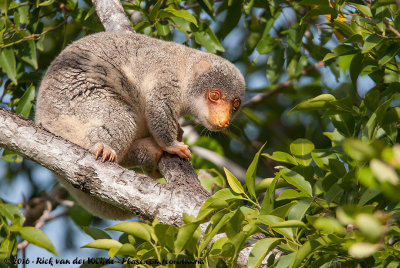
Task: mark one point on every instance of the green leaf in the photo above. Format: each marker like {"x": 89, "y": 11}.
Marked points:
{"x": 362, "y": 249}
{"x": 95, "y": 233}
{"x": 125, "y": 249}
{"x": 285, "y": 260}
{"x": 274, "y": 220}
{"x": 368, "y": 195}
{"x": 266, "y": 44}
{"x": 180, "y": 13}
{"x": 233, "y": 16}
{"x": 337, "y": 168}
{"x": 321, "y": 158}
{"x": 383, "y": 172}
{"x": 371, "y": 42}
{"x": 163, "y": 28}
{"x": 260, "y": 250}
{"x": 370, "y": 225}
{"x": 390, "y": 53}
{"x": 316, "y": 11}
{"x": 91, "y": 11}
{"x": 251, "y": 173}
{"x": 381, "y": 3}
{"x": 46, "y": 3}
{"x": 344, "y": 123}
{"x": 214, "y": 228}
{"x": 355, "y": 68}
{"x": 316, "y": 103}
{"x": 207, "y": 39}
{"x": 296, "y": 35}
{"x": 227, "y": 195}
{"x": 329, "y": 225}
{"x": 289, "y": 224}
{"x": 269, "y": 198}
{"x": 154, "y": 11}
{"x": 7, "y": 63}
{"x": 137, "y": 229}
{"x": 301, "y": 149}
{"x": 298, "y": 211}
{"x": 296, "y": 180}
{"x": 341, "y": 50}
{"x": 207, "y": 6}
{"x": 80, "y": 216}
{"x": 26, "y": 102}
{"x": 166, "y": 235}
{"x": 364, "y": 9}
{"x": 275, "y": 65}
{"x": 103, "y": 244}
{"x": 4, "y": 5}
{"x": 23, "y": 14}
{"x": 334, "y": 191}
{"x": 376, "y": 118}
{"x": 358, "y": 150}
{"x": 28, "y": 53}
{"x": 35, "y": 236}
{"x": 344, "y": 28}
{"x": 210, "y": 206}
{"x": 238, "y": 241}
{"x": 11, "y": 157}
{"x": 304, "y": 252}
{"x": 282, "y": 157}
{"x": 291, "y": 194}
{"x": 185, "y": 234}
{"x": 234, "y": 182}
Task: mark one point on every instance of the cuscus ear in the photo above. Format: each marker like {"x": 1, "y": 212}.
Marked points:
{"x": 201, "y": 67}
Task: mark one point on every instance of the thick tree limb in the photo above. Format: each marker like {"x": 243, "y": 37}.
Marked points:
{"x": 112, "y": 15}
{"x": 107, "y": 181}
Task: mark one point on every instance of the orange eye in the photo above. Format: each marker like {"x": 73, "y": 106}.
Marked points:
{"x": 214, "y": 95}
{"x": 236, "y": 104}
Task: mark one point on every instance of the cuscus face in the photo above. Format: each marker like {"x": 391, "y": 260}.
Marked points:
{"x": 221, "y": 108}
{"x": 218, "y": 93}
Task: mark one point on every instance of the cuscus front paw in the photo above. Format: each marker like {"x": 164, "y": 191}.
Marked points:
{"x": 181, "y": 149}
{"x": 105, "y": 152}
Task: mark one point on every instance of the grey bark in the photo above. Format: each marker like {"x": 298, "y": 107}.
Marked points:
{"x": 112, "y": 15}
{"x": 108, "y": 181}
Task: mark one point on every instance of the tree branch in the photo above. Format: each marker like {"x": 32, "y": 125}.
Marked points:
{"x": 112, "y": 16}
{"x": 260, "y": 97}
{"x": 107, "y": 181}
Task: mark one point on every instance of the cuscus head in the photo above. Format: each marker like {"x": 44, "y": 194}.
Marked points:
{"x": 217, "y": 92}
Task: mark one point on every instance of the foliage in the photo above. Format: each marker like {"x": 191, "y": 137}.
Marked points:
{"x": 11, "y": 226}
{"x": 328, "y": 109}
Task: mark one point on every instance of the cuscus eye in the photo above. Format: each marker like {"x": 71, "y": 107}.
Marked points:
{"x": 214, "y": 95}
{"x": 236, "y": 104}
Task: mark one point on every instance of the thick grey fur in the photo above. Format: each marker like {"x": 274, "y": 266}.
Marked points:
{"x": 126, "y": 91}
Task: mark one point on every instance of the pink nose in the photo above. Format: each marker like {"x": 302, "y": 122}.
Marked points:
{"x": 223, "y": 124}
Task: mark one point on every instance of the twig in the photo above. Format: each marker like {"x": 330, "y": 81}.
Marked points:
{"x": 34, "y": 36}
{"x": 62, "y": 214}
{"x": 366, "y": 3}
{"x": 39, "y": 223}
{"x": 393, "y": 30}
{"x": 280, "y": 87}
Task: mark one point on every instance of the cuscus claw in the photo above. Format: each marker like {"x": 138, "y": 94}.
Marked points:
{"x": 105, "y": 152}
